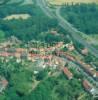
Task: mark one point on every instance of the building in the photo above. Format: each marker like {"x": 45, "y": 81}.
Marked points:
{"x": 67, "y": 73}
{"x": 70, "y": 47}
{"x": 3, "y": 84}
{"x": 89, "y": 69}
{"x": 21, "y": 50}
{"x": 54, "y": 32}
{"x": 17, "y": 55}
{"x": 96, "y": 76}
{"x": 4, "y": 54}
{"x": 84, "y": 51}
{"x": 88, "y": 87}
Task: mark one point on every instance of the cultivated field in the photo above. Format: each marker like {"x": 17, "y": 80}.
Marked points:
{"x": 59, "y": 2}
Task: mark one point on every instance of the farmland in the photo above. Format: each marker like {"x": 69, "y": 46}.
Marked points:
{"x": 59, "y": 2}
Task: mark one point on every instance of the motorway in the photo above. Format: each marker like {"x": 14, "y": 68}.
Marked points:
{"x": 43, "y": 5}
{"x": 73, "y": 32}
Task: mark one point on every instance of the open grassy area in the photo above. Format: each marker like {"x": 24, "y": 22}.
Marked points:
{"x": 91, "y": 39}
{"x": 94, "y": 38}
{"x": 59, "y": 2}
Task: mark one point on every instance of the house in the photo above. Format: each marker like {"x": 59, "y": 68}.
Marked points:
{"x": 4, "y": 54}
{"x": 21, "y": 50}
{"x": 59, "y": 45}
{"x": 84, "y": 51}
{"x": 88, "y": 69}
{"x": 70, "y": 47}
{"x": 3, "y": 84}
{"x": 17, "y": 55}
{"x": 69, "y": 57}
{"x": 96, "y": 76}
{"x": 67, "y": 73}
{"x": 53, "y": 32}
{"x": 88, "y": 87}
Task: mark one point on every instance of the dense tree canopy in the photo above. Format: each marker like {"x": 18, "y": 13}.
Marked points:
{"x": 82, "y": 16}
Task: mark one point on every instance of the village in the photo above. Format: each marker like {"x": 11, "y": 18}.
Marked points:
{"x": 48, "y": 50}
{"x": 54, "y": 58}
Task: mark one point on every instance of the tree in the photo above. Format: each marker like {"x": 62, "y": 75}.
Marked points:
{"x": 88, "y": 58}
{"x": 41, "y": 75}
{"x": 2, "y": 36}
{"x": 21, "y": 82}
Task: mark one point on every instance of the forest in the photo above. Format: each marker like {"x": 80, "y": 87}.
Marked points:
{"x": 83, "y": 16}
{"x": 28, "y": 29}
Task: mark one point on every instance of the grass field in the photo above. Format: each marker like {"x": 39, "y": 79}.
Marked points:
{"x": 92, "y": 39}
{"x": 59, "y": 2}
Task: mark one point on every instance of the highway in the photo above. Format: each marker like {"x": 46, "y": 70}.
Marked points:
{"x": 43, "y": 5}
{"x": 73, "y": 32}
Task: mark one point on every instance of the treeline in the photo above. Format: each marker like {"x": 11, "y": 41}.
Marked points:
{"x": 82, "y": 16}
{"x": 17, "y": 9}
{"x": 28, "y": 29}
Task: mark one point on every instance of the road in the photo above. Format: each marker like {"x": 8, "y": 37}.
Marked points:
{"x": 43, "y": 5}
{"x": 73, "y": 32}
{"x": 76, "y": 65}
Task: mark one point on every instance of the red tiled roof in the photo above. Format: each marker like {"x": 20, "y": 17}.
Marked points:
{"x": 67, "y": 73}
{"x": 87, "y": 85}
{"x": 5, "y": 82}
{"x": 20, "y": 50}
{"x": 4, "y": 54}
{"x": 96, "y": 73}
